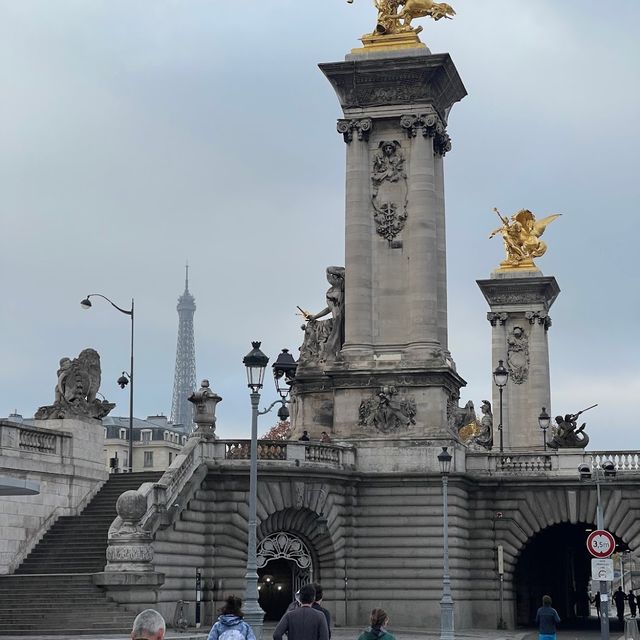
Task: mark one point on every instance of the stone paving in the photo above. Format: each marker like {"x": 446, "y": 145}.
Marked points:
{"x": 352, "y": 633}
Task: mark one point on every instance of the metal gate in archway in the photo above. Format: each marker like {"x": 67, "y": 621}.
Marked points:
{"x": 284, "y": 565}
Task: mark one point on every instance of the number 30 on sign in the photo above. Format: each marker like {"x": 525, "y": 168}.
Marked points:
{"x": 601, "y": 543}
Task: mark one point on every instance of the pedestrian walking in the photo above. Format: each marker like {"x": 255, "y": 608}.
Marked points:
{"x": 596, "y": 602}
{"x": 230, "y": 624}
{"x": 317, "y": 605}
{"x": 303, "y": 623}
{"x": 148, "y": 625}
{"x": 377, "y": 629}
{"x": 547, "y": 618}
{"x": 633, "y": 603}
{"x": 619, "y": 597}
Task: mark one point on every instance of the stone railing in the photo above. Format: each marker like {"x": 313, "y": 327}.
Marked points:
{"x": 516, "y": 463}
{"x": 35, "y": 440}
{"x": 338, "y": 456}
{"x": 622, "y": 460}
{"x": 564, "y": 462}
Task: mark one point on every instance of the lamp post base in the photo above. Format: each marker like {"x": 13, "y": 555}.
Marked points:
{"x": 254, "y": 616}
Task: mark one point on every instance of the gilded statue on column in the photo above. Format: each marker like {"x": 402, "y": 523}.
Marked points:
{"x": 395, "y": 18}
{"x": 521, "y": 237}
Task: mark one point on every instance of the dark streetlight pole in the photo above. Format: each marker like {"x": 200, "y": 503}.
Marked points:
{"x": 446, "y": 603}
{"x": 500, "y": 377}
{"x": 256, "y": 363}
{"x": 544, "y": 420}
{"x": 122, "y": 381}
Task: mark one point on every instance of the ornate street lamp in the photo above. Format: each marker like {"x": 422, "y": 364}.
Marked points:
{"x": 284, "y": 372}
{"x": 446, "y": 603}
{"x": 125, "y": 378}
{"x": 500, "y": 377}
{"x": 544, "y": 420}
{"x": 256, "y": 363}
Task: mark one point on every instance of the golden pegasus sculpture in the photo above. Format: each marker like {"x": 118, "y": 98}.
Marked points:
{"x": 521, "y": 236}
{"x": 395, "y": 16}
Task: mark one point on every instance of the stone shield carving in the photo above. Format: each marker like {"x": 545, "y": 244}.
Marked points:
{"x": 389, "y": 189}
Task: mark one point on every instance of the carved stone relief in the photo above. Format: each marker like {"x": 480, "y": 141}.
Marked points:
{"x": 518, "y": 355}
{"x": 389, "y": 189}
{"x": 361, "y": 128}
{"x": 497, "y": 318}
{"x": 541, "y": 317}
{"x": 386, "y": 414}
{"x": 431, "y": 126}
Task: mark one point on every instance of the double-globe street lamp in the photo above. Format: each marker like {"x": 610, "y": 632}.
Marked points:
{"x": 284, "y": 370}
{"x": 544, "y": 420}
{"x": 125, "y": 378}
{"x": 596, "y": 475}
{"x": 500, "y": 378}
{"x": 446, "y": 603}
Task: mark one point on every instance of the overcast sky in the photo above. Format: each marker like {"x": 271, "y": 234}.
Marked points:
{"x": 137, "y": 134}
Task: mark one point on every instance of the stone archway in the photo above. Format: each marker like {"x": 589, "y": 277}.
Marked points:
{"x": 556, "y": 562}
{"x": 284, "y": 565}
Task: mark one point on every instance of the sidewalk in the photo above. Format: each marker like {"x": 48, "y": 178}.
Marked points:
{"x": 341, "y": 633}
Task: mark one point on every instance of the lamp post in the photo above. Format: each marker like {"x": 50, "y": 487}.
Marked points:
{"x": 256, "y": 363}
{"x": 446, "y": 603}
{"x": 544, "y": 420}
{"x": 596, "y": 474}
{"x": 123, "y": 380}
{"x": 500, "y": 377}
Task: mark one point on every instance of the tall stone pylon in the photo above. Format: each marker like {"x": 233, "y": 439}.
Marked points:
{"x": 184, "y": 382}
{"x": 519, "y": 303}
{"x": 385, "y": 368}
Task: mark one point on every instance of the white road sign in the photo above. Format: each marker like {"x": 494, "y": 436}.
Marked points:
{"x": 602, "y": 569}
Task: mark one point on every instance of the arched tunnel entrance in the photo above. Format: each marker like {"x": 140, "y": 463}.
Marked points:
{"x": 556, "y": 562}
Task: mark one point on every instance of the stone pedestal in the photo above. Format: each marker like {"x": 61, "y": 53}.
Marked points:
{"x": 394, "y": 374}
{"x": 519, "y": 316}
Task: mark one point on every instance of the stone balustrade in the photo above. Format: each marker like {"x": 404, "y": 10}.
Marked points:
{"x": 622, "y": 460}
{"x": 337, "y": 456}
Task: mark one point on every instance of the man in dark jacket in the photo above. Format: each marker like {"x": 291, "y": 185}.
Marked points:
{"x": 303, "y": 623}
{"x": 547, "y": 618}
{"x": 317, "y": 605}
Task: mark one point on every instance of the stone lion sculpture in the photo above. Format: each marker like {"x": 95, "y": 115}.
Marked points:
{"x": 76, "y": 389}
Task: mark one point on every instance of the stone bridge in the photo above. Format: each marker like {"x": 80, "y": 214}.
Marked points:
{"x": 366, "y": 521}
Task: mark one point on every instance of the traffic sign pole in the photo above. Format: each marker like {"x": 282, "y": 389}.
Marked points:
{"x": 604, "y": 587}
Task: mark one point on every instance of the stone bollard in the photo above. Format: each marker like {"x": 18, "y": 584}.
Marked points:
{"x": 631, "y": 629}
{"x": 205, "y": 401}
{"x": 130, "y": 546}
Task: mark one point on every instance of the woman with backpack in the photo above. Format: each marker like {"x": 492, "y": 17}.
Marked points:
{"x": 230, "y": 625}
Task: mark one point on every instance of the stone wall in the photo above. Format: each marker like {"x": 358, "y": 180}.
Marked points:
{"x": 65, "y": 458}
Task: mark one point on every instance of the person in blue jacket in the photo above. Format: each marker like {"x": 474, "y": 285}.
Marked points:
{"x": 230, "y": 625}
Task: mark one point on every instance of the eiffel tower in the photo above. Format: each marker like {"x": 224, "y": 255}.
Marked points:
{"x": 184, "y": 382}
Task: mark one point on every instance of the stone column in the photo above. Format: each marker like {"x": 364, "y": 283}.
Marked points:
{"x": 358, "y": 233}
{"x": 421, "y": 236}
{"x": 442, "y": 144}
{"x": 519, "y": 316}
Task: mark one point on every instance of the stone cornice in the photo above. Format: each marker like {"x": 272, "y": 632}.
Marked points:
{"x": 428, "y": 79}
{"x": 518, "y": 292}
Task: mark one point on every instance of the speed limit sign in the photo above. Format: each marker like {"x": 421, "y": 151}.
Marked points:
{"x": 601, "y": 543}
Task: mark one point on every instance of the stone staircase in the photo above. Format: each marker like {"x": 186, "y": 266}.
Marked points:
{"x": 52, "y": 591}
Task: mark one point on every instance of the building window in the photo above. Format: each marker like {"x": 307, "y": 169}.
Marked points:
{"x": 148, "y": 458}
{"x": 146, "y": 436}
{"x": 170, "y": 457}
{"x": 167, "y": 435}
{"x": 184, "y": 439}
{"x": 123, "y": 434}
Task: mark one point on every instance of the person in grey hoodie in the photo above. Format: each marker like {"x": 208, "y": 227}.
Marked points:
{"x": 230, "y": 625}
